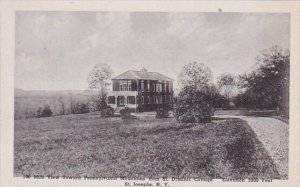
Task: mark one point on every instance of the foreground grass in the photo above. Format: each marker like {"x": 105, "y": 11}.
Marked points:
{"x": 86, "y": 145}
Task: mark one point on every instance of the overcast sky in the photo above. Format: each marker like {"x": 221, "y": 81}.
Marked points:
{"x": 57, "y": 50}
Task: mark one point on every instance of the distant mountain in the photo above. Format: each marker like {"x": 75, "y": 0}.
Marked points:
{"x": 50, "y": 93}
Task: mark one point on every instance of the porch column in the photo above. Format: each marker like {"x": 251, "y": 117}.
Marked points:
{"x": 116, "y": 100}
{"x": 136, "y": 103}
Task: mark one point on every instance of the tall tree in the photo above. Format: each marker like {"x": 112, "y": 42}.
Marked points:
{"x": 99, "y": 77}
{"x": 195, "y": 99}
{"x": 62, "y": 105}
{"x": 268, "y": 83}
{"x": 196, "y": 76}
{"x": 227, "y": 82}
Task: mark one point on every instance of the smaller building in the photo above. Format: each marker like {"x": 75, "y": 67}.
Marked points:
{"x": 140, "y": 90}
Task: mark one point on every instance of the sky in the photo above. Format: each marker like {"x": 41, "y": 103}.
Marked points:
{"x": 57, "y": 50}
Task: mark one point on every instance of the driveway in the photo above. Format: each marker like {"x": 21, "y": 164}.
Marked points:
{"x": 274, "y": 135}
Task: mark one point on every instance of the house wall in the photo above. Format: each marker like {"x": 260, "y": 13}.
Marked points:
{"x": 166, "y": 95}
{"x": 116, "y": 85}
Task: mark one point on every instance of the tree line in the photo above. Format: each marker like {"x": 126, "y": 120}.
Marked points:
{"x": 266, "y": 86}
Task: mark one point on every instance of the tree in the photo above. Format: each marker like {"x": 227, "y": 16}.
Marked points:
{"x": 268, "y": 84}
{"x": 72, "y": 104}
{"x": 62, "y": 105}
{"x": 193, "y": 106}
{"x": 226, "y": 83}
{"x": 196, "y": 76}
{"x": 98, "y": 78}
{"x": 47, "y": 111}
{"x": 44, "y": 112}
{"x": 196, "y": 96}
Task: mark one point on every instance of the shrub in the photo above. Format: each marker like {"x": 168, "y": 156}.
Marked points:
{"x": 162, "y": 111}
{"x": 45, "y": 112}
{"x": 110, "y": 111}
{"x": 80, "y": 108}
{"x": 193, "y": 106}
{"x": 125, "y": 112}
{"x": 39, "y": 112}
{"x": 84, "y": 108}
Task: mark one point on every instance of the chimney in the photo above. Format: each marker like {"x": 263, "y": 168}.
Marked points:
{"x": 144, "y": 70}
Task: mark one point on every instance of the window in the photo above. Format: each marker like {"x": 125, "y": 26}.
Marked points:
{"x": 164, "y": 99}
{"x": 129, "y": 85}
{"x": 149, "y": 102}
{"x": 142, "y": 99}
{"x": 148, "y": 86}
{"x": 121, "y": 86}
{"x": 166, "y": 83}
{"x": 121, "y": 100}
{"x": 170, "y": 87}
{"x": 153, "y": 87}
{"x": 154, "y": 100}
{"x": 125, "y": 85}
{"x": 111, "y": 100}
{"x": 131, "y": 100}
{"x": 165, "y": 86}
{"x": 158, "y": 87}
{"x": 142, "y": 86}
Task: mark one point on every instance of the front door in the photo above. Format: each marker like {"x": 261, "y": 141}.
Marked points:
{"x": 120, "y": 101}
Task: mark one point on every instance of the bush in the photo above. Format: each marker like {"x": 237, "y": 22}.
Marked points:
{"x": 110, "y": 111}
{"x": 193, "y": 106}
{"x": 162, "y": 111}
{"x": 84, "y": 108}
{"x": 125, "y": 112}
{"x": 80, "y": 108}
{"x": 45, "y": 112}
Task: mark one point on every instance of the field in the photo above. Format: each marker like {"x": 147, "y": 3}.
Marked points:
{"x": 28, "y": 102}
{"x": 88, "y": 145}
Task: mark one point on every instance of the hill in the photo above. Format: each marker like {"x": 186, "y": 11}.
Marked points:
{"x": 27, "y": 102}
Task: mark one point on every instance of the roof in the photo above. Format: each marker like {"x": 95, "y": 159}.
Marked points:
{"x": 142, "y": 75}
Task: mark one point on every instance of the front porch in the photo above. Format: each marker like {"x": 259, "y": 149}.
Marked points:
{"x": 121, "y": 99}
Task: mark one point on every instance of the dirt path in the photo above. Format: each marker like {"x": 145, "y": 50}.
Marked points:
{"x": 274, "y": 135}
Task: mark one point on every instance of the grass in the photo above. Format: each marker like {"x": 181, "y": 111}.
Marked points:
{"x": 87, "y": 145}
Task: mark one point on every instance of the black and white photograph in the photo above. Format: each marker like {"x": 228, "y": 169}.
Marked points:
{"x": 135, "y": 95}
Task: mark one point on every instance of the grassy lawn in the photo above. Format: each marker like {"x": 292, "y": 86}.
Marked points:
{"x": 87, "y": 145}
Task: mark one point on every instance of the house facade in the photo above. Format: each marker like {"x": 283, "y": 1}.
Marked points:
{"x": 140, "y": 90}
